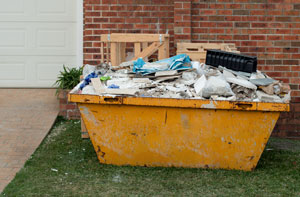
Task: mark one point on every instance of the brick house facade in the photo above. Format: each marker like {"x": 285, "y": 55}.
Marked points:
{"x": 268, "y": 29}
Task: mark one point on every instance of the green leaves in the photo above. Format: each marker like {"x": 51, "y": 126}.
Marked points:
{"x": 68, "y": 78}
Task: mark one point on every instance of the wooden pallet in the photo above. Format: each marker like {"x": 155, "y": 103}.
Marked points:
{"x": 197, "y": 51}
{"x": 144, "y": 46}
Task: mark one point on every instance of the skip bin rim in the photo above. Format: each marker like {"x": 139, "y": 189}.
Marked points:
{"x": 179, "y": 103}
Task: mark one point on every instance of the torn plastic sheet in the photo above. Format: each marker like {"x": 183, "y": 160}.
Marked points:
{"x": 178, "y": 62}
{"x": 87, "y": 80}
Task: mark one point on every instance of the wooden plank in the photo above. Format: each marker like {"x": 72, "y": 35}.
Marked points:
{"x": 119, "y": 37}
{"x": 197, "y": 51}
{"x": 137, "y": 48}
{"x": 197, "y": 57}
{"x": 192, "y": 52}
{"x": 83, "y": 128}
{"x": 123, "y": 52}
{"x": 167, "y": 45}
{"x": 144, "y": 45}
{"x": 204, "y": 46}
{"x": 164, "y": 50}
{"x": 119, "y": 53}
{"x": 84, "y": 132}
{"x": 102, "y": 52}
{"x": 148, "y": 51}
{"x": 114, "y": 53}
{"x": 107, "y": 53}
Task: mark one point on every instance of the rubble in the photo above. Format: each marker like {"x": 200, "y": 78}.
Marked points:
{"x": 268, "y": 98}
{"x": 242, "y": 82}
{"x": 200, "y": 84}
{"x": 88, "y": 90}
{"x": 243, "y": 93}
{"x": 262, "y": 81}
{"x": 178, "y": 77}
{"x": 216, "y": 86}
{"x": 166, "y": 73}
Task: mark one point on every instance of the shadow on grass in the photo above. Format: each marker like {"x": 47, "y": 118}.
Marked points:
{"x": 66, "y": 165}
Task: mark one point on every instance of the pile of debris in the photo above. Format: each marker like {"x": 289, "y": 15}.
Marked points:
{"x": 178, "y": 77}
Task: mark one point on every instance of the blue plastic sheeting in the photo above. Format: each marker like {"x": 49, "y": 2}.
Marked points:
{"x": 87, "y": 79}
{"x": 178, "y": 62}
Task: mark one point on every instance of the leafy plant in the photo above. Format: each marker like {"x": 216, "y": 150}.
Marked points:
{"x": 68, "y": 78}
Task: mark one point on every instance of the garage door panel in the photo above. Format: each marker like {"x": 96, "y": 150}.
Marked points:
{"x": 36, "y": 52}
{"x": 12, "y": 71}
{"x": 48, "y": 71}
{"x": 15, "y": 71}
{"x": 12, "y": 38}
{"x": 40, "y": 10}
{"x": 24, "y": 71}
{"x": 56, "y": 37}
{"x": 51, "y": 38}
{"x": 37, "y": 37}
{"x": 12, "y": 7}
{"x": 48, "y": 68}
{"x": 52, "y": 7}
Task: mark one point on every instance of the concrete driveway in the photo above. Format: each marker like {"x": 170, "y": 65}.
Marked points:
{"x": 26, "y": 116}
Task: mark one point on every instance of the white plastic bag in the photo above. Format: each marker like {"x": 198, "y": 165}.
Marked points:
{"x": 217, "y": 85}
{"x": 189, "y": 76}
{"x": 199, "y": 67}
{"x": 88, "y": 90}
{"x": 87, "y": 69}
{"x": 200, "y": 84}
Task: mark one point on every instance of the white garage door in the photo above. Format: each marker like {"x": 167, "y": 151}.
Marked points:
{"x": 37, "y": 37}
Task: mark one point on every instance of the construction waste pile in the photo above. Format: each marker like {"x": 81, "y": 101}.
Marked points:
{"x": 178, "y": 77}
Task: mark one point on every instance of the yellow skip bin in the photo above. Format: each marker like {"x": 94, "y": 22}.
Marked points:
{"x": 178, "y": 132}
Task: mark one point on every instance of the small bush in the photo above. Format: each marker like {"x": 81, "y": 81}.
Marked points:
{"x": 68, "y": 78}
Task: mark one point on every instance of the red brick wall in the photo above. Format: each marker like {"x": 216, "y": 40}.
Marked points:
{"x": 124, "y": 16}
{"x": 68, "y": 109}
{"x": 268, "y": 29}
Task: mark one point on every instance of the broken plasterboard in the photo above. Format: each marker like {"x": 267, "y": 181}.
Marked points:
{"x": 100, "y": 89}
{"x": 161, "y": 79}
{"x": 166, "y": 73}
{"x": 98, "y": 86}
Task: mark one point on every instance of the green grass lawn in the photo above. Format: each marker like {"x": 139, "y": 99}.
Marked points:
{"x": 66, "y": 165}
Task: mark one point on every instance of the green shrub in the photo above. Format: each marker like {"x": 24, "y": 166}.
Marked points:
{"x": 68, "y": 78}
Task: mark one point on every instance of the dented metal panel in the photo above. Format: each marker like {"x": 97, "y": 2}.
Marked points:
{"x": 177, "y": 132}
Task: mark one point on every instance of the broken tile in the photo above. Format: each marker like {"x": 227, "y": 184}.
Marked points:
{"x": 189, "y": 75}
{"x": 262, "y": 82}
{"x": 242, "y": 82}
{"x": 227, "y": 74}
{"x": 201, "y": 80}
{"x": 161, "y": 79}
{"x": 141, "y": 80}
{"x": 263, "y": 97}
{"x": 166, "y": 73}
{"x": 200, "y": 84}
